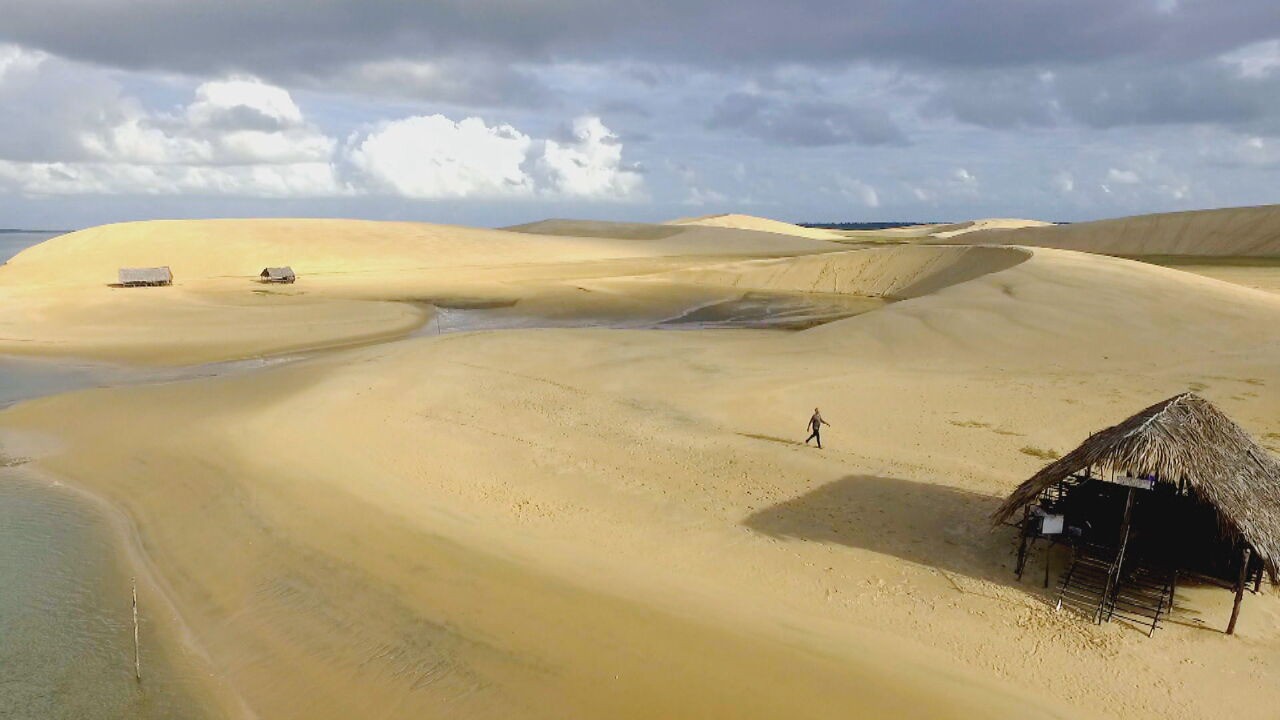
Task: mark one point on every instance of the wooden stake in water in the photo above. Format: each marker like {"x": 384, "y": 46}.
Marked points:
{"x": 137, "y": 659}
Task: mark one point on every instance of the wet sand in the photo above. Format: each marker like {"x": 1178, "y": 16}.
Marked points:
{"x": 66, "y": 617}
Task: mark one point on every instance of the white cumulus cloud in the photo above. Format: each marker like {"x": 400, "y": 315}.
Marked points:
{"x": 240, "y": 137}
{"x": 431, "y": 156}
{"x": 72, "y": 130}
{"x": 590, "y": 165}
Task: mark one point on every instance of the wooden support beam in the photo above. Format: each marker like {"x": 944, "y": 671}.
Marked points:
{"x": 1235, "y": 609}
{"x": 1022, "y": 545}
{"x": 1048, "y": 562}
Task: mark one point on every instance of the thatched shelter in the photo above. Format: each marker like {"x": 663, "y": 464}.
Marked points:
{"x": 145, "y": 276}
{"x": 1178, "y": 487}
{"x": 277, "y": 275}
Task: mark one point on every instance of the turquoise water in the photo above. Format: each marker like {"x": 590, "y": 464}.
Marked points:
{"x": 66, "y": 642}
{"x": 66, "y": 619}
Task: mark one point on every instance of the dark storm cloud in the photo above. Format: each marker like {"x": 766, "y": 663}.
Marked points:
{"x": 284, "y": 37}
{"x": 1115, "y": 95}
{"x": 1206, "y": 93}
{"x": 804, "y": 123}
{"x": 996, "y": 99}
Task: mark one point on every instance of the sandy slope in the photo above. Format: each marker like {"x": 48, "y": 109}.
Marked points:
{"x": 55, "y": 298}
{"x": 895, "y": 272}
{"x": 622, "y": 523}
{"x": 1245, "y": 231}
{"x": 759, "y": 224}
{"x": 598, "y": 228}
{"x": 954, "y": 230}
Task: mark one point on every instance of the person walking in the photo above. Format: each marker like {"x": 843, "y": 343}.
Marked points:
{"x": 815, "y": 423}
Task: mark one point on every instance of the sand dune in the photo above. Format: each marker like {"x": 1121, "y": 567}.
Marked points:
{"x": 750, "y": 222}
{"x": 598, "y": 228}
{"x": 953, "y": 230}
{"x": 1245, "y": 231}
{"x": 204, "y": 249}
{"x": 665, "y": 468}
{"x": 624, "y": 523}
{"x": 897, "y": 272}
{"x": 57, "y": 298}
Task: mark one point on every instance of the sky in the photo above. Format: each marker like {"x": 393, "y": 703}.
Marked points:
{"x": 495, "y": 112}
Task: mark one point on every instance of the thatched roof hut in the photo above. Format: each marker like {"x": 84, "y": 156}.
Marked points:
{"x": 145, "y": 276}
{"x": 1187, "y": 442}
{"x": 278, "y": 275}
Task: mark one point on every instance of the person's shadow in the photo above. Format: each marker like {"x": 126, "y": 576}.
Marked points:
{"x": 934, "y": 525}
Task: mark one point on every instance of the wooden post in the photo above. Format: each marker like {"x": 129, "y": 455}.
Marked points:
{"x": 1235, "y": 609}
{"x": 1257, "y": 579}
{"x": 137, "y": 658}
{"x": 1022, "y": 544}
{"x": 1048, "y": 561}
{"x": 1113, "y": 575}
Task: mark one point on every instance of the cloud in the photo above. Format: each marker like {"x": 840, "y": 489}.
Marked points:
{"x": 590, "y": 164}
{"x": 288, "y": 38}
{"x": 49, "y": 104}
{"x": 237, "y": 136}
{"x": 462, "y": 81}
{"x": 858, "y": 190}
{"x": 805, "y": 123}
{"x": 1123, "y": 177}
{"x": 1064, "y": 182}
{"x": 1240, "y": 91}
{"x": 434, "y": 157}
{"x": 72, "y": 130}
{"x": 57, "y": 178}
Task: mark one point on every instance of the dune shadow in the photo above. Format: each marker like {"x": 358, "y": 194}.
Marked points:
{"x": 933, "y": 525}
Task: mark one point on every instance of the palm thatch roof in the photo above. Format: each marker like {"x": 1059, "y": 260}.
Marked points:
{"x": 145, "y": 276}
{"x": 278, "y": 274}
{"x": 1183, "y": 439}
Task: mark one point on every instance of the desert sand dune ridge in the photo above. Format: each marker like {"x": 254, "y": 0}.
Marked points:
{"x": 751, "y": 222}
{"x": 955, "y": 229}
{"x": 896, "y": 272}
{"x": 1243, "y": 231}
{"x": 626, "y": 523}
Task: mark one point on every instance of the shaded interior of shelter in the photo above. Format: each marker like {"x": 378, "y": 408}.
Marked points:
{"x": 1125, "y": 552}
{"x": 947, "y": 529}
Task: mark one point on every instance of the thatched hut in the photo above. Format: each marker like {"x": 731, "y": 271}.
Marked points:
{"x": 145, "y": 276}
{"x": 277, "y": 275}
{"x": 1179, "y": 489}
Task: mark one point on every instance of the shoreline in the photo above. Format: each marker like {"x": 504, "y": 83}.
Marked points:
{"x": 624, "y": 523}
{"x": 171, "y": 654}
{"x": 759, "y": 640}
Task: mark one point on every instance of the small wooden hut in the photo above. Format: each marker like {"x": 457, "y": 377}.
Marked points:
{"x": 1177, "y": 490}
{"x": 145, "y": 276}
{"x": 277, "y": 275}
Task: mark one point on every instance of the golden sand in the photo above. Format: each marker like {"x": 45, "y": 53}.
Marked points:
{"x": 588, "y": 522}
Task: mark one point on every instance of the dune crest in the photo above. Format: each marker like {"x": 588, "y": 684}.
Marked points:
{"x": 949, "y": 231}
{"x": 1241, "y": 231}
{"x": 896, "y": 272}
{"x": 759, "y": 224}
